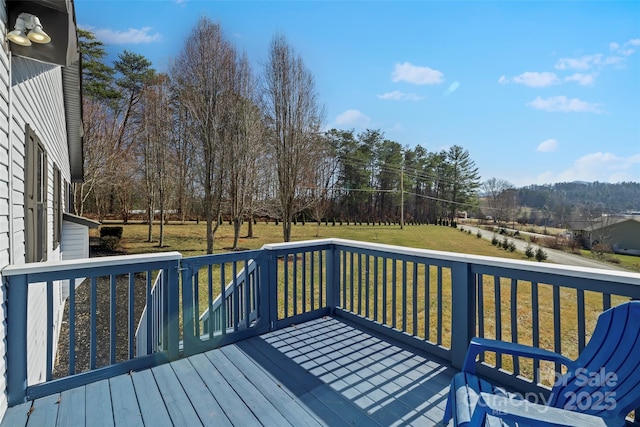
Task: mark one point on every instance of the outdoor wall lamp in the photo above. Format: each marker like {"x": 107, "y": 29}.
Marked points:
{"x": 24, "y": 22}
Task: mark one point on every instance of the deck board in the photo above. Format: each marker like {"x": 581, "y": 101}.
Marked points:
{"x": 123, "y": 397}
{"x": 98, "y": 398}
{"x": 325, "y": 372}
{"x": 152, "y": 408}
{"x": 175, "y": 399}
{"x": 205, "y": 405}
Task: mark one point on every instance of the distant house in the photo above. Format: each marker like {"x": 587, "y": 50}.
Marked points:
{"x": 622, "y": 233}
{"x": 40, "y": 156}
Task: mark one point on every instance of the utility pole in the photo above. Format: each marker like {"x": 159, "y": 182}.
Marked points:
{"x": 402, "y": 196}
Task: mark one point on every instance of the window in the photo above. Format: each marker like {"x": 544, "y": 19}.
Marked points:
{"x": 35, "y": 198}
{"x": 57, "y": 206}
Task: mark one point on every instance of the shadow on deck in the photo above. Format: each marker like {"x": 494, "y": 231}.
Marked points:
{"x": 322, "y": 372}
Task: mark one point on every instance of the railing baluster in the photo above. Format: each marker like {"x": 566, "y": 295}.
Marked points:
{"x": 224, "y": 323}
{"x": 236, "y": 302}
{"x": 581, "y": 321}
{"x": 93, "y": 333}
{"x": 286, "y": 284}
{"x": 498, "y": 315}
{"x": 313, "y": 275}
{"x": 304, "y": 282}
{"x": 439, "y": 319}
{"x": 514, "y": 323}
{"x": 323, "y": 268}
{"x": 480, "y": 318}
{"x": 112, "y": 321}
{"x": 427, "y": 302}
{"x": 385, "y": 261}
{"x": 210, "y": 326}
{"x": 49, "y": 369}
{"x": 247, "y": 295}
{"x": 394, "y": 293}
{"x": 535, "y": 335}
{"x": 151, "y": 313}
{"x": 404, "y": 296}
{"x": 606, "y": 301}
{"x": 360, "y": 283}
{"x": 557, "y": 338}
{"x": 131, "y": 317}
{"x": 351, "y": 282}
{"x": 367, "y": 285}
{"x": 344, "y": 280}
{"x": 375, "y": 289}
{"x": 414, "y": 298}
{"x": 295, "y": 283}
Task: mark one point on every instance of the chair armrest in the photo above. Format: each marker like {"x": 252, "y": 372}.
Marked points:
{"x": 480, "y": 345}
{"x": 529, "y": 413}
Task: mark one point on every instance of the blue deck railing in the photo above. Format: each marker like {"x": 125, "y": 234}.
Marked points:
{"x": 435, "y": 301}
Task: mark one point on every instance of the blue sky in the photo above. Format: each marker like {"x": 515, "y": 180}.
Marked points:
{"x": 537, "y": 92}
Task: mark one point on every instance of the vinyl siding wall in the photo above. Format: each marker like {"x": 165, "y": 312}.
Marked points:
{"x": 4, "y": 204}
{"x": 37, "y": 100}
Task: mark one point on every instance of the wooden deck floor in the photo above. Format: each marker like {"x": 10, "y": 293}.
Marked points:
{"x": 323, "y": 372}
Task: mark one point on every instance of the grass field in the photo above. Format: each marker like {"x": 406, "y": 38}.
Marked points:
{"x": 189, "y": 239}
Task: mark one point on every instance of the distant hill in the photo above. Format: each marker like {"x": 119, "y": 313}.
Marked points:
{"x": 568, "y": 200}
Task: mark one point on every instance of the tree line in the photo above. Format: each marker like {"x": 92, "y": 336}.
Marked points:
{"x": 211, "y": 138}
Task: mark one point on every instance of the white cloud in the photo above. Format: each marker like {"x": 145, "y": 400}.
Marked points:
{"x": 130, "y": 36}
{"x": 532, "y": 79}
{"x": 614, "y": 46}
{"x": 582, "y": 79}
{"x": 548, "y": 146}
{"x": 396, "y": 95}
{"x": 564, "y": 104}
{"x": 353, "y": 118}
{"x": 602, "y": 167}
{"x": 633, "y": 42}
{"x": 583, "y": 63}
{"x": 410, "y": 73}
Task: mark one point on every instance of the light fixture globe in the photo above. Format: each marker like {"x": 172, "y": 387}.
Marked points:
{"x": 37, "y": 34}
{"x": 18, "y": 36}
{"x": 27, "y": 21}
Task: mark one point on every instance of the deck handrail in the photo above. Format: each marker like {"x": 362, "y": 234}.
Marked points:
{"x": 434, "y": 300}
{"x": 18, "y": 279}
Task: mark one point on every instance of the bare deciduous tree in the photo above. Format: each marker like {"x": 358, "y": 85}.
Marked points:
{"x": 156, "y": 110}
{"x": 500, "y": 198}
{"x": 201, "y": 76}
{"x": 242, "y": 134}
{"x": 295, "y": 116}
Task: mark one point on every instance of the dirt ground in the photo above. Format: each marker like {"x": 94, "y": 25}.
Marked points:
{"x": 83, "y": 320}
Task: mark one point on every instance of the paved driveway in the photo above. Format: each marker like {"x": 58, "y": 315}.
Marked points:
{"x": 555, "y": 256}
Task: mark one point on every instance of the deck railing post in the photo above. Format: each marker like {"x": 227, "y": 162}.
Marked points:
{"x": 463, "y": 312}
{"x": 333, "y": 278}
{"x": 17, "y": 295}
{"x": 172, "y": 319}
{"x": 269, "y": 286}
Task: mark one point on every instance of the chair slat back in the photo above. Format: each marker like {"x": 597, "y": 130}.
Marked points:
{"x": 606, "y": 380}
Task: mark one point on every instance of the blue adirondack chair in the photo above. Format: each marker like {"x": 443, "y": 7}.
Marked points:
{"x": 599, "y": 389}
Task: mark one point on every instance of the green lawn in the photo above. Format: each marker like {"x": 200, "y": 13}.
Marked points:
{"x": 189, "y": 239}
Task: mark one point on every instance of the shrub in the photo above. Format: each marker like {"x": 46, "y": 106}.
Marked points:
{"x": 505, "y": 243}
{"x": 541, "y": 255}
{"x": 529, "y": 251}
{"x": 479, "y": 234}
{"x": 512, "y": 246}
{"x": 110, "y": 243}
{"x": 111, "y": 231}
{"x": 600, "y": 249}
{"x": 494, "y": 240}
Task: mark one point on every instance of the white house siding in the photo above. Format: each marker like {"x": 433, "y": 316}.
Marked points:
{"x": 36, "y": 100}
{"x": 75, "y": 245}
{"x": 4, "y": 203}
